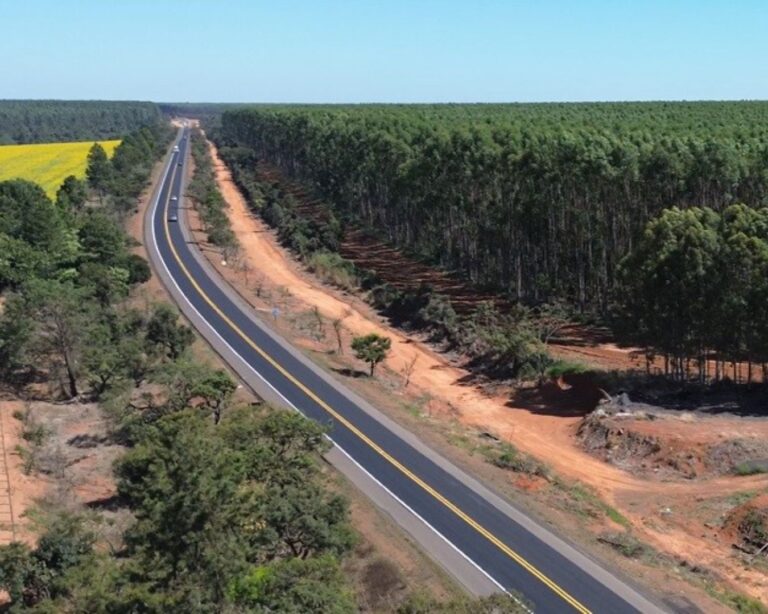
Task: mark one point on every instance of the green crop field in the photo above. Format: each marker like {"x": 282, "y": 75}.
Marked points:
{"x": 47, "y": 164}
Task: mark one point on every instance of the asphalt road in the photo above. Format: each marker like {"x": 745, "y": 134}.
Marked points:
{"x": 468, "y": 528}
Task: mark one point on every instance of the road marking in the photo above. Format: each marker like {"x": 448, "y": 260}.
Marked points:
{"x": 362, "y": 436}
{"x": 335, "y": 444}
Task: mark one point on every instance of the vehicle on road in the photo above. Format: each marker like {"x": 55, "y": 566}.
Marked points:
{"x": 174, "y": 198}
{"x": 173, "y": 217}
{"x": 175, "y": 148}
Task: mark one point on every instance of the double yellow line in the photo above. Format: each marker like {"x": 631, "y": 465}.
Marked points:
{"x": 397, "y": 464}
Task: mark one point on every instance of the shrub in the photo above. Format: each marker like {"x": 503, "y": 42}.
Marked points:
{"x": 333, "y": 269}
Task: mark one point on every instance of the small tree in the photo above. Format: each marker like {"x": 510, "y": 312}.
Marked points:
{"x": 371, "y": 348}
{"x": 216, "y": 389}
{"x": 99, "y": 170}
{"x": 164, "y": 331}
{"x": 72, "y": 194}
{"x": 337, "y": 326}
{"x": 408, "y": 368}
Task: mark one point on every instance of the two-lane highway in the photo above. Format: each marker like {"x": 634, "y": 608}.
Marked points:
{"x": 510, "y": 550}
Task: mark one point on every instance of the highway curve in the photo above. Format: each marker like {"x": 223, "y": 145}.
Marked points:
{"x": 479, "y": 537}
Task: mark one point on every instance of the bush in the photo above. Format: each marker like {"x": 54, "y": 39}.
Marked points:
{"x": 625, "y": 543}
{"x": 333, "y": 269}
{"x": 752, "y": 467}
{"x": 559, "y": 368}
{"x": 508, "y": 457}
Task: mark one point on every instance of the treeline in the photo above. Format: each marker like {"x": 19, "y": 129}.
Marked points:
{"x": 45, "y": 121}
{"x": 210, "y": 203}
{"x": 128, "y": 172}
{"x": 538, "y": 201}
{"x": 509, "y": 344}
{"x": 208, "y": 113}
{"x": 695, "y": 291}
{"x": 64, "y": 266}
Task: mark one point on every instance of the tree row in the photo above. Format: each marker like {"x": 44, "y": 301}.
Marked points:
{"x": 47, "y": 121}
{"x": 538, "y": 201}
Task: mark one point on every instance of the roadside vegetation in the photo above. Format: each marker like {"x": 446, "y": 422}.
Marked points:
{"x": 229, "y": 507}
{"x": 506, "y": 344}
{"x": 612, "y": 211}
{"x": 684, "y": 287}
{"x": 210, "y": 204}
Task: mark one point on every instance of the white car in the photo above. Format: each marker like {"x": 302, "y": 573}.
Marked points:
{"x": 174, "y": 198}
{"x": 175, "y": 148}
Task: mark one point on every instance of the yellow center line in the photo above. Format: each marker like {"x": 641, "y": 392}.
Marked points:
{"x": 397, "y": 464}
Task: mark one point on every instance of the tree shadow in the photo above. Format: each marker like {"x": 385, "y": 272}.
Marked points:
{"x": 567, "y": 397}
{"x": 107, "y": 504}
{"x": 86, "y": 440}
{"x": 347, "y": 372}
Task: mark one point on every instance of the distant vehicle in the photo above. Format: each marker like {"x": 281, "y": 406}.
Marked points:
{"x": 174, "y": 198}
{"x": 175, "y": 148}
{"x": 180, "y": 163}
{"x": 173, "y": 218}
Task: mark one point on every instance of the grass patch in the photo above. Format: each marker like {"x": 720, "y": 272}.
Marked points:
{"x": 333, "y": 269}
{"x": 740, "y": 498}
{"x": 737, "y": 601}
{"x": 752, "y": 467}
{"x": 506, "y": 456}
{"x": 566, "y": 367}
{"x": 589, "y": 504}
{"x": 625, "y": 543}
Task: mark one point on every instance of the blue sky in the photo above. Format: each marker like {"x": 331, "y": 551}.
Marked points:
{"x": 388, "y": 51}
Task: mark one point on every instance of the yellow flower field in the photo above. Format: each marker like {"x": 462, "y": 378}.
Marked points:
{"x": 47, "y": 164}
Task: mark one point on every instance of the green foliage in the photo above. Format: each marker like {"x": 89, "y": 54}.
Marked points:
{"x": 205, "y": 192}
{"x": 540, "y": 201}
{"x": 625, "y": 543}
{"x": 31, "y": 576}
{"x": 740, "y": 603}
{"x": 99, "y": 169}
{"x": 509, "y": 457}
{"x": 165, "y": 334}
{"x": 696, "y": 284}
{"x": 751, "y": 468}
{"x": 68, "y": 266}
{"x": 333, "y": 269}
{"x": 138, "y": 268}
{"x": 371, "y": 348}
{"x": 294, "y": 586}
{"x": 59, "y": 324}
{"x": 512, "y": 345}
{"x": 565, "y": 367}
{"x": 221, "y": 508}
{"x": 45, "y": 121}
{"x": 214, "y": 391}
{"x": 72, "y": 194}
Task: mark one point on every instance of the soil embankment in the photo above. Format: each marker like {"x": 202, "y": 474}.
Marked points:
{"x": 666, "y": 445}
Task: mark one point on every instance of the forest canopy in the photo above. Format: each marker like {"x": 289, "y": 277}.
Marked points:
{"x": 47, "y": 121}
{"x": 540, "y": 201}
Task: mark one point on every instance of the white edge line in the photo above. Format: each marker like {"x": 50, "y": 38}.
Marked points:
{"x": 292, "y": 406}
